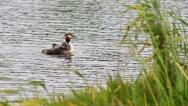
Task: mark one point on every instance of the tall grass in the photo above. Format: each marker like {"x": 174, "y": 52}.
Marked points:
{"x": 166, "y": 84}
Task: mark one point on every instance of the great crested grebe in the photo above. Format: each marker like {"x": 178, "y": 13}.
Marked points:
{"x": 61, "y": 49}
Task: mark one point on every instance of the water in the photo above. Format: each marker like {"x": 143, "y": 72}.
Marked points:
{"x": 28, "y": 26}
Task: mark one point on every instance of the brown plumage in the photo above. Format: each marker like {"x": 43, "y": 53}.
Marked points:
{"x": 60, "y": 49}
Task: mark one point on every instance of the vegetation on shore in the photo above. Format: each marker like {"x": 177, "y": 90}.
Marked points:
{"x": 163, "y": 83}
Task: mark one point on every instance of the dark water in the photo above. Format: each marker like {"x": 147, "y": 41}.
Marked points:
{"x": 28, "y": 26}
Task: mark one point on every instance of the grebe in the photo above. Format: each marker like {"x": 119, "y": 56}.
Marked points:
{"x": 66, "y": 48}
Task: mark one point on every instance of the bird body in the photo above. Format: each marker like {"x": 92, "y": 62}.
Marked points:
{"x": 61, "y": 49}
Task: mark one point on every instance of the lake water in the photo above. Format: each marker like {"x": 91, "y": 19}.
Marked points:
{"x": 28, "y": 26}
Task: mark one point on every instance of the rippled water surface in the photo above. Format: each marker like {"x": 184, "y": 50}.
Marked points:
{"x": 28, "y": 26}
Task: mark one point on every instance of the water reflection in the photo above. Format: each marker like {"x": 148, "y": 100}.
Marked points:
{"x": 68, "y": 58}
